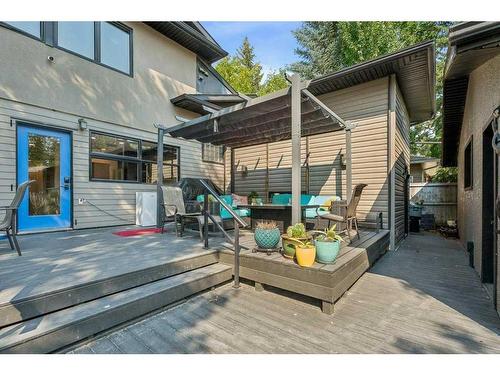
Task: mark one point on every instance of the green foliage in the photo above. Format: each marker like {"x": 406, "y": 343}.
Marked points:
{"x": 296, "y": 231}
{"x": 329, "y": 234}
{"x": 325, "y": 47}
{"x": 444, "y": 174}
{"x": 274, "y": 81}
{"x": 244, "y": 74}
{"x": 252, "y": 195}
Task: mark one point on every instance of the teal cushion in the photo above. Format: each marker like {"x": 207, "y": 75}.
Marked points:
{"x": 224, "y": 214}
{"x": 306, "y": 199}
{"x": 281, "y": 198}
{"x": 319, "y": 200}
{"x": 243, "y": 212}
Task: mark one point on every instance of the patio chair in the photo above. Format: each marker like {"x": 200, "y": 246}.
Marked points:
{"x": 348, "y": 217}
{"x": 175, "y": 210}
{"x": 8, "y": 224}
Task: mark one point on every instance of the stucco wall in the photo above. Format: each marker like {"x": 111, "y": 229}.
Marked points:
{"x": 58, "y": 94}
{"x": 483, "y": 96}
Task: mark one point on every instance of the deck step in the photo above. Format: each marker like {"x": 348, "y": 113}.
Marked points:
{"x": 75, "y": 292}
{"x": 59, "y": 329}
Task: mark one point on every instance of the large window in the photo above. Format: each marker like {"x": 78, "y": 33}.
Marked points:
{"x": 31, "y": 28}
{"x": 115, "y": 47}
{"x": 115, "y": 158}
{"x": 77, "y": 37}
{"x": 212, "y": 154}
{"x": 468, "y": 169}
{"x": 106, "y": 43}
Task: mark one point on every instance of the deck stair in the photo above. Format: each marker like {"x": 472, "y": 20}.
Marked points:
{"x": 54, "y": 330}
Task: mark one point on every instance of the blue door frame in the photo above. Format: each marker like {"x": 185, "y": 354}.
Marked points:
{"x": 44, "y": 155}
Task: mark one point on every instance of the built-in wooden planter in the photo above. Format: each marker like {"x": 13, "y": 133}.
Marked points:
{"x": 326, "y": 282}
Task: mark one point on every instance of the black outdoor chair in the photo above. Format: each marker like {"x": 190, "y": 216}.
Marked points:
{"x": 8, "y": 224}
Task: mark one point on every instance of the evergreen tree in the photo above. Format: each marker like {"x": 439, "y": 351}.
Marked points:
{"x": 245, "y": 75}
{"x": 325, "y": 47}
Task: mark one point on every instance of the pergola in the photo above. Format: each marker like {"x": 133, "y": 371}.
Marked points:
{"x": 290, "y": 113}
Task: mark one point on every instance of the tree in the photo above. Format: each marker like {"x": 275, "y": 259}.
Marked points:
{"x": 239, "y": 76}
{"x": 244, "y": 74}
{"x": 274, "y": 81}
{"x": 325, "y": 47}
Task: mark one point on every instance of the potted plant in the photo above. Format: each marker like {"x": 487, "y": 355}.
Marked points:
{"x": 327, "y": 245}
{"x": 267, "y": 234}
{"x": 293, "y": 232}
{"x": 305, "y": 252}
{"x": 253, "y": 197}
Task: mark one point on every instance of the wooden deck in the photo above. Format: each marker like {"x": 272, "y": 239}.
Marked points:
{"x": 423, "y": 298}
{"x": 326, "y": 282}
{"x": 62, "y": 269}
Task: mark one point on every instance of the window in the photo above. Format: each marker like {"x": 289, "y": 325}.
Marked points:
{"x": 105, "y": 43}
{"x": 31, "y": 28}
{"x": 115, "y": 47}
{"x": 212, "y": 154}
{"x": 116, "y": 158}
{"x": 468, "y": 169}
{"x": 77, "y": 37}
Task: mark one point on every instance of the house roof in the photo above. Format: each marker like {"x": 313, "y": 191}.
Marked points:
{"x": 414, "y": 68}
{"x": 199, "y": 102}
{"x": 417, "y": 159}
{"x": 471, "y": 44}
{"x": 193, "y": 36}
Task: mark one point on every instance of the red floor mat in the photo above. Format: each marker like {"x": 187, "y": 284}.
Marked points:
{"x": 137, "y": 232}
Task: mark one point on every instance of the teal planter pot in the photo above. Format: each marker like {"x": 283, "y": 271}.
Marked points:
{"x": 326, "y": 252}
{"x": 267, "y": 238}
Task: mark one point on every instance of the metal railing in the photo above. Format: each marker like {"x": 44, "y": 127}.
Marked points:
{"x": 237, "y": 220}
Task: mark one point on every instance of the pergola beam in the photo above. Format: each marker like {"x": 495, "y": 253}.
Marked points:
{"x": 225, "y": 134}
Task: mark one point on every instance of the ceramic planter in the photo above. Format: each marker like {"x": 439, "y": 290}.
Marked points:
{"x": 305, "y": 255}
{"x": 267, "y": 238}
{"x": 289, "y": 245}
{"x": 327, "y": 251}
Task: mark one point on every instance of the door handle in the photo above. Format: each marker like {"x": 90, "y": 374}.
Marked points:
{"x": 67, "y": 183}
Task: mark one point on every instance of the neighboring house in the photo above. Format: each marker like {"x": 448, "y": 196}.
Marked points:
{"x": 471, "y": 95}
{"x": 423, "y": 168}
{"x": 78, "y": 101}
{"x": 383, "y": 97}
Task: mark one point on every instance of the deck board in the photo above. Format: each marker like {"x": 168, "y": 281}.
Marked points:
{"x": 411, "y": 301}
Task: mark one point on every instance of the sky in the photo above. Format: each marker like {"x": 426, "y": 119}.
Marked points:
{"x": 273, "y": 42}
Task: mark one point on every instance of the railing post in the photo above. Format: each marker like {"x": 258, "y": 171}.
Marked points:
{"x": 236, "y": 254}
{"x": 205, "y": 221}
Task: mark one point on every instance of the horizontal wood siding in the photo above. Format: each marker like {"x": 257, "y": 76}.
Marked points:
{"x": 115, "y": 201}
{"x": 402, "y": 163}
{"x": 364, "y": 104}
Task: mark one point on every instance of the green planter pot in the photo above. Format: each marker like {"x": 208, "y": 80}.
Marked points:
{"x": 267, "y": 238}
{"x": 326, "y": 252}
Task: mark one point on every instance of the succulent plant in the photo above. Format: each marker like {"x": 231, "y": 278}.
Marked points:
{"x": 296, "y": 231}
{"x": 266, "y": 224}
{"x": 329, "y": 234}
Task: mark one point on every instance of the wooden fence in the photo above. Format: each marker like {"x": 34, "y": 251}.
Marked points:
{"x": 439, "y": 199}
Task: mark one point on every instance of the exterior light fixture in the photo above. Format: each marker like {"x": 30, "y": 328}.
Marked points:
{"x": 82, "y": 124}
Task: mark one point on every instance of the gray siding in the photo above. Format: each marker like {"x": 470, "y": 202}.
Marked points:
{"x": 117, "y": 199}
{"x": 365, "y": 104}
{"x": 402, "y": 163}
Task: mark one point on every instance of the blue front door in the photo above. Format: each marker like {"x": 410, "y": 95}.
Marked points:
{"x": 44, "y": 155}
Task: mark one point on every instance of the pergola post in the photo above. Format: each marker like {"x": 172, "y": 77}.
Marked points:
{"x": 159, "y": 178}
{"x": 296, "y": 135}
